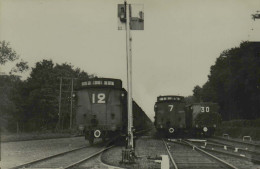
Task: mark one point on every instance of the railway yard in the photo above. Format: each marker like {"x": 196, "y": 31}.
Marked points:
{"x": 79, "y": 107}
{"x": 215, "y": 152}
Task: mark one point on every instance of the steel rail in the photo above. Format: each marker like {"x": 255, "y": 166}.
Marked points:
{"x": 241, "y": 156}
{"x": 47, "y": 158}
{"x": 87, "y": 158}
{"x": 170, "y": 155}
{"x": 237, "y": 141}
{"x": 219, "y": 144}
{"x": 212, "y": 156}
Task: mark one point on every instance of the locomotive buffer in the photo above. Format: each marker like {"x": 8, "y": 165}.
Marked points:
{"x": 127, "y": 21}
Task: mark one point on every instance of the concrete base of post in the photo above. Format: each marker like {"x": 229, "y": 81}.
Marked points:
{"x": 128, "y": 156}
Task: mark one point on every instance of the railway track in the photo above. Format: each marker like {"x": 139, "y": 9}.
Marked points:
{"x": 236, "y": 143}
{"x": 248, "y": 143}
{"x": 186, "y": 155}
{"x": 228, "y": 149}
{"x": 242, "y": 158}
{"x": 68, "y": 159}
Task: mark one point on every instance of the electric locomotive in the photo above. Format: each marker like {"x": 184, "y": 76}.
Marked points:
{"x": 170, "y": 115}
{"x": 102, "y": 109}
{"x": 203, "y": 118}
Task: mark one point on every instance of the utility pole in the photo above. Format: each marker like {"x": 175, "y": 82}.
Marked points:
{"x": 60, "y": 104}
{"x": 71, "y": 103}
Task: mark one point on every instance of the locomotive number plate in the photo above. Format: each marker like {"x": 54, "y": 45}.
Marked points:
{"x": 204, "y": 109}
{"x": 170, "y": 107}
{"x": 98, "y": 98}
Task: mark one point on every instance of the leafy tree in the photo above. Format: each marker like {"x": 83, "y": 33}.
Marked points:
{"x": 20, "y": 67}
{"x": 197, "y": 93}
{"x": 38, "y": 104}
{"x": 234, "y": 82}
{"x": 7, "y": 53}
{"x": 189, "y": 99}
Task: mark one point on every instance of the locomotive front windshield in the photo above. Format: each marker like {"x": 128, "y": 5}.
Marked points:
{"x": 102, "y": 83}
{"x": 170, "y": 98}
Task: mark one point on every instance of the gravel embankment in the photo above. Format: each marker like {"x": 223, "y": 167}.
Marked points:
{"x": 146, "y": 148}
{"x": 17, "y": 153}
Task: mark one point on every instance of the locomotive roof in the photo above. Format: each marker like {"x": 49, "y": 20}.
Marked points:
{"x": 170, "y": 98}
{"x": 102, "y": 82}
{"x": 202, "y": 103}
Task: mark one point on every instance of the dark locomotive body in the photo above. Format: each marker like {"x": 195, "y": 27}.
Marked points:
{"x": 170, "y": 115}
{"x": 102, "y": 109}
{"x": 173, "y": 117}
{"x": 203, "y": 118}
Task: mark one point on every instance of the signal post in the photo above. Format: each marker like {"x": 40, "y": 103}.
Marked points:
{"x": 127, "y": 21}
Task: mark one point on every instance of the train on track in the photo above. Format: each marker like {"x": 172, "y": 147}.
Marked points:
{"x": 203, "y": 118}
{"x": 169, "y": 115}
{"x": 102, "y": 110}
{"x": 173, "y": 117}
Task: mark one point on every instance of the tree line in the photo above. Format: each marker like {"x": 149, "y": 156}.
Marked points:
{"x": 234, "y": 82}
{"x": 33, "y": 104}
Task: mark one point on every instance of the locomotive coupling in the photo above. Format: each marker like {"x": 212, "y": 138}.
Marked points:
{"x": 171, "y": 130}
{"x": 97, "y": 133}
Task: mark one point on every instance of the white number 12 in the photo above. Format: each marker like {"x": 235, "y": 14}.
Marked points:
{"x": 100, "y": 98}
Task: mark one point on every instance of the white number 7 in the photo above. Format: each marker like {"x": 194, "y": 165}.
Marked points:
{"x": 171, "y": 107}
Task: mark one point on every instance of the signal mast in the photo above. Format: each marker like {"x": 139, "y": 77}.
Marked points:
{"x": 128, "y": 21}
{"x": 256, "y": 16}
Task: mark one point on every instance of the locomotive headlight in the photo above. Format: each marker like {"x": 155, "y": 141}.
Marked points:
{"x": 122, "y": 94}
{"x": 214, "y": 125}
{"x": 171, "y": 130}
{"x": 81, "y": 127}
{"x": 97, "y": 133}
{"x": 161, "y": 126}
{"x": 197, "y": 126}
{"x": 205, "y": 129}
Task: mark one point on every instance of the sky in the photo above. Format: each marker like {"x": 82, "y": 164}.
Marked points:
{"x": 180, "y": 41}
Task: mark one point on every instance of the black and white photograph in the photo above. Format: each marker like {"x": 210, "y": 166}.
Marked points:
{"x": 129, "y": 84}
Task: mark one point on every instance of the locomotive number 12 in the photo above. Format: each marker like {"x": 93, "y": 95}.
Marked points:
{"x": 98, "y": 98}
{"x": 204, "y": 109}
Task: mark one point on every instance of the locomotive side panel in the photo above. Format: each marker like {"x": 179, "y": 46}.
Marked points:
{"x": 83, "y": 109}
{"x": 139, "y": 120}
{"x": 115, "y": 110}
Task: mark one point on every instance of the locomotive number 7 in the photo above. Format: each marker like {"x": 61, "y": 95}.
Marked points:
{"x": 99, "y": 99}
{"x": 171, "y": 107}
